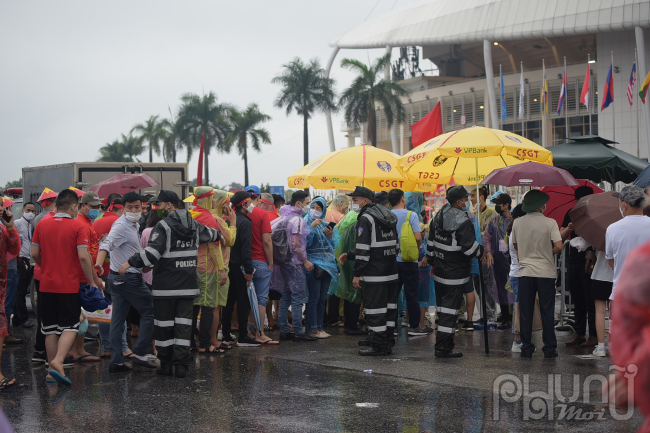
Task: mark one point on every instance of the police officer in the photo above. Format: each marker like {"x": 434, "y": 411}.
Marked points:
{"x": 452, "y": 246}
{"x": 375, "y": 270}
{"x": 172, "y": 253}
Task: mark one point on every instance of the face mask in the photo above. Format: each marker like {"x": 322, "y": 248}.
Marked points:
{"x": 622, "y": 212}
{"x": 133, "y": 217}
{"x": 544, "y": 209}
{"x": 162, "y": 213}
{"x": 29, "y": 216}
{"x": 305, "y": 209}
{"x": 315, "y": 214}
{"x": 93, "y": 213}
{"x": 355, "y": 207}
{"x": 466, "y": 208}
{"x": 250, "y": 208}
{"x": 498, "y": 209}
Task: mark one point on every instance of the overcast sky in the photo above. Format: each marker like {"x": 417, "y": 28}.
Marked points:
{"x": 76, "y": 74}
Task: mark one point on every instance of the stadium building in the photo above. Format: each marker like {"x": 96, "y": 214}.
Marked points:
{"x": 469, "y": 40}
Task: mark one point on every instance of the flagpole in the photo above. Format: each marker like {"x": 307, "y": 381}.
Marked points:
{"x": 500, "y": 98}
{"x": 636, "y": 63}
{"x": 566, "y": 101}
{"x": 613, "y": 104}
{"x": 523, "y": 131}
{"x": 589, "y": 78}
{"x": 543, "y": 105}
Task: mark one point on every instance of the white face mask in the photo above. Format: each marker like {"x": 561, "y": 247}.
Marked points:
{"x": 250, "y": 208}
{"x": 305, "y": 210}
{"x": 29, "y": 216}
{"x": 355, "y": 207}
{"x": 622, "y": 212}
{"x": 544, "y": 209}
{"x": 133, "y": 217}
{"x": 315, "y": 214}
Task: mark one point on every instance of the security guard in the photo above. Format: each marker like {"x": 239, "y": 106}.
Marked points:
{"x": 452, "y": 246}
{"x": 375, "y": 270}
{"x": 172, "y": 253}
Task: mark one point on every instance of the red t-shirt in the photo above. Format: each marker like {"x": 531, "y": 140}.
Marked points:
{"x": 59, "y": 238}
{"x": 261, "y": 224}
{"x": 272, "y": 216}
{"x": 102, "y": 226}
{"x": 93, "y": 245}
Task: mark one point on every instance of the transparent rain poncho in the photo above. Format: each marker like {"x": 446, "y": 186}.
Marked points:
{"x": 320, "y": 249}
{"x": 348, "y": 231}
{"x": 426, "y": 284}
{"x": 209, "y": 259}
{"x": 337, "y": 208}
{"x": 414, "y": 201}
{"x": 290, "y": 277}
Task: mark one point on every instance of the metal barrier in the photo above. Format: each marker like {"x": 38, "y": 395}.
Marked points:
{"x": 566, "y": 314}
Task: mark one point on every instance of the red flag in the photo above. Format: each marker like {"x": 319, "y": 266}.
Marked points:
{"x": 199, "y": 173}
{"x": 584, "y": 97}
{"x": 428, "y": 127}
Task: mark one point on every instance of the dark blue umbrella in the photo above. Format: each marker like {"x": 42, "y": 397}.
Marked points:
{"x": 643, "y": 181}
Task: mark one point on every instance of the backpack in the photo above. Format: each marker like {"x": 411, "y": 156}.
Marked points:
{"x": 407, "y": 242}
{"x": 281, "y": 251}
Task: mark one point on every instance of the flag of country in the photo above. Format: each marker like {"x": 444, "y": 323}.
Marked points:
{"x": 644, "y": 87}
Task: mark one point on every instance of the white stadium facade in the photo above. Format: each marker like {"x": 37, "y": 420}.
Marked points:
{"x": 469, "y": 39}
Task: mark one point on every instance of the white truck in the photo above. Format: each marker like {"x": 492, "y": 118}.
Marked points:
{"x": 170, "y": 175}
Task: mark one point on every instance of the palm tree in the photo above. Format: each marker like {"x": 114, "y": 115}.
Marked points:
{"x": 245, "y": 124}
{"x": 305, "y": 89}
{"x": 358, "y": 101}
{"x": 170, "y": 143}
{"x": 124, "y": 150}
{"x": 200, "y": 115}
{"x": 151, "y": 132}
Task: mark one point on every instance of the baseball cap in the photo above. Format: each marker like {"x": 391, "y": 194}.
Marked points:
{"x": 456, "y": 193}
{"x": 381, "y": 197}
{"x": 91, "y": 198}
{"x": 253, "y": 189}
{"x": 631, "y": 194}
{"x": 502, "y": 198}
{"x": 166, "y": 195}
{"x": 362, "y": 191}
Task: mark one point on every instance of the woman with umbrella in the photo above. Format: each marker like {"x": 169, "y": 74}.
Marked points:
{"x": 322, "y": 240}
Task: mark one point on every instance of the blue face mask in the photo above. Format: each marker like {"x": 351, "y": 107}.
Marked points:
{"x": 93, "y": 213}
{"x": 467, "y": 207}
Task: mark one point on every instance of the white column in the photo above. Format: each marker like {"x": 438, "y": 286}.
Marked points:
{"x": 642, "y": 70}
{"x": 328, "y": 113}
{"x": 393, "y": 127}
{"x": 489, "y": 77}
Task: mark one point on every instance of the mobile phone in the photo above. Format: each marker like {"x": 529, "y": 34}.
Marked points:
{"x": 5, "y": 216}
{"x": 331, "y": 225}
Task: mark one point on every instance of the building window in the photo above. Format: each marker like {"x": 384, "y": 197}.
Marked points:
{"x": 578, "y": 125}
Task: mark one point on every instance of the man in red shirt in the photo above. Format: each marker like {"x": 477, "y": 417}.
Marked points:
{"x": 9, "y": 244}
{"x": 59, "y": 246}
{"x": 262, "y": 253}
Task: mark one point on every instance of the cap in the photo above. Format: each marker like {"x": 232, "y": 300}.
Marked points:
{"x": 631, "y": 194}
{"x": 381, "y": 197}
{"x": 362, "y": 191}
{"x": 502, "y": 198}
{"x": 456, "y": 193}
{"x": 533, "y": 200}
{"x": 166, "y": 195}
{"x": 252, "y": 189}
{"x": 91, "y": 198}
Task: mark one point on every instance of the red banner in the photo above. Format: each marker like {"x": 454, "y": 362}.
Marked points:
{"x": 428, "y": 127}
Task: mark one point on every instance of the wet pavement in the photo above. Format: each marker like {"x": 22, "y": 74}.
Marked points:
{"x": 322, "y": 386}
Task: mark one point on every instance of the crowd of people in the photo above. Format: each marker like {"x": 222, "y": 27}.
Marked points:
{"x": 246, "y": 263}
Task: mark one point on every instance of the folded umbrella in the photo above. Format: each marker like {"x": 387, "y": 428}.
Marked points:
{"x": 123, "y": 183}
{"x": 592, "y": 215}
{"x": 562, "y": 199}
{"x": 530, "y": 174}
{"x": 255, "y": 306}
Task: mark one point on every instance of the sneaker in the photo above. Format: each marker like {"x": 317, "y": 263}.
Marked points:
{"x": 428, "y": 329}
{"x": 516, "y": 347}
{"x": 468, "y": 327}
{"x": 414, "y": 332}
{"x": 599, "y": 352}
{"x": 39, "y": 357}
{"x": 230, "y": 340}
{"x": 303, "y": 337}
{"x": 248, "y": 342}
{"x": 324, "y": 334}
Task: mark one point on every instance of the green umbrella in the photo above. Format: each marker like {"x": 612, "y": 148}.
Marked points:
{"x": 591, "y": 157}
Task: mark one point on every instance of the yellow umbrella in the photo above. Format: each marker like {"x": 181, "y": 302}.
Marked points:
{"x": 363, "y": 165}
{"x": 468, "y": 155}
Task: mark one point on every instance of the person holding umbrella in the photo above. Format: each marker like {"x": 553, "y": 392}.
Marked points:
{"x": 536, "y": 239}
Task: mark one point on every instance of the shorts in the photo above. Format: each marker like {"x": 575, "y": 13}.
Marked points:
{"x": 469, "y": 286}
{"x": 274, "y": 295}
{"x": 61, "y": 312}
{"x": 600, "y": 290}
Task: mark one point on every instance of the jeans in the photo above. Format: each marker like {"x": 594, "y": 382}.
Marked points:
{"x": 296, "y": 301}
{"x": 410, "y": 278}
{"x": 514, "y": 283}
{"x": 126, "y": 290}
{"x": 545, "y": 288}
{"x": 262, "y": 281}
{"x": 317, "y": 301}
{"x": 105, "y": 330}
{"x": 12, "y": 287}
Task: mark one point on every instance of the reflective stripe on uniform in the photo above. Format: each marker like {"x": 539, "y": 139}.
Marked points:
{"x": 472, "y": 250}
{"x": 168, "y": 233}
{"x": 364, "y": 258}
{"x": 186, "y": 292}
{"x": 181, "y": 342}
{"x": 376, "y": 310}
{"x": 377, "y": 328}
{"x": 373, "y": 236}
{"x": 173, "y": 341}
{"x": 174, "y": 254}
{"x": 391, "y": 306}
{"x": 390, "y": 324}
{"x": 182, "y": 321}
{"x": 445, "y": 329}
{"x": 153, "y": 252}
{"x": 451, "y": 282}
{"x": 145, "y": 259}
{"x": 444, "y": 247}
{"x": 362, "y": 246}
{"x": 446, "y": 310}
{"x": 163, "y": 323}
{"x": 379, "y": 279}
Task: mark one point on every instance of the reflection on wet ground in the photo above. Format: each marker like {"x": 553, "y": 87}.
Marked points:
{"x": 320, "y": 386}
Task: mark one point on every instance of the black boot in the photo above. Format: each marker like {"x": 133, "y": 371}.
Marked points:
{"x": 364, "y": 343}
{"x": 443, "y": 354}
{"x": 164, "y": 369}
{"x": 373, "y": 351}
{"x": 181, "y": 370}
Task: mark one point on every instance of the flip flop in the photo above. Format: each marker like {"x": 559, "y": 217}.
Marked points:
{"x": 270, "y": 343}
{"x": 224, "y": 346}
{"x": 129, "y": 355}
{"x": 106, "y": 355}
{"x": 50, "y": 381}
{"x": 83, "y": 358}
{"x": 59, "y": 377}
{"x": 214, "y": 351}
{"x": 4, "y": 383}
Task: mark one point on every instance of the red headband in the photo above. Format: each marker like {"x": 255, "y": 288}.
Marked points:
{"x": 115, "y": 206}
{"x": 234, "y": 205}
{"x": 204, "y": 195}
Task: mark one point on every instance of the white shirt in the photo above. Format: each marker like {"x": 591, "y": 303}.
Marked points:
{"x": 25, "y": 231}
{"x": 514, "y": 262}
{"x": 602, "y": 271}
{"x": 622, "y": 237}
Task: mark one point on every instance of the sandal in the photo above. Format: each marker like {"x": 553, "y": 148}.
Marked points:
{"x": 225, "y": 346}
{"x": 86, "y": 358}
{"x": 212, "y": 351}
{"x": 128, "y": 355}
{"x": 6, "y": 383}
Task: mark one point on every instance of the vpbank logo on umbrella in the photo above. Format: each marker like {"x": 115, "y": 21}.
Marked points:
{"x": 472, "y": 150}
